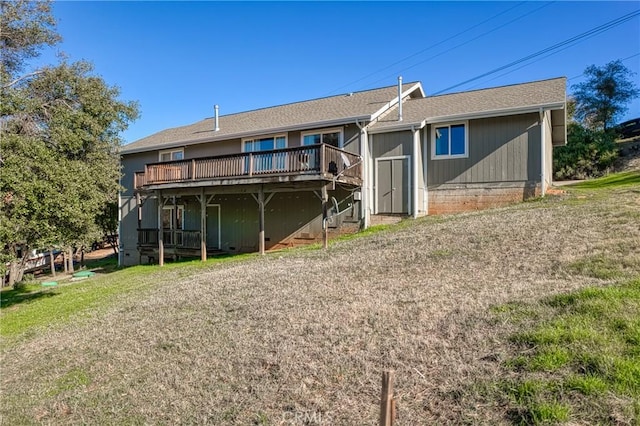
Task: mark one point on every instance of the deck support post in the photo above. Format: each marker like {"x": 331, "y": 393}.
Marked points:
{"x": 325, "y": 217}
{"x": 160, "y": 230}
{"x": 261, "y": 220}
{"x": 203, "y": 226}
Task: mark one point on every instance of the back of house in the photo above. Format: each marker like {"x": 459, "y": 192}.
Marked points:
{"x": 291, "y": 174}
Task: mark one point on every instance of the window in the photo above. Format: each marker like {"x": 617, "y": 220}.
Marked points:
{"x": 172, "y": 155}
{"x": 265, "y": 162}
{"x": 449, "y": 141}
{"x": 173, "y": 218}
{"x": 265, "y": 144}
{"x": 330, "y": 137}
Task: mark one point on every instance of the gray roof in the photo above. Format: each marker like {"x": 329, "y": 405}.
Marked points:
{"x": 308, "y": 114}
{"x": 485, "y": 102}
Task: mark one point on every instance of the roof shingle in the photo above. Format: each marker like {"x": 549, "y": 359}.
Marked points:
{"x": 513, "y": 97}
{"x": 345, "y": 107}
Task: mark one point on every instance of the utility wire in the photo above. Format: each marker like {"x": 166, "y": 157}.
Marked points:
{"x": 622, "y": 60}
{"x": 426, "y": 48}
{"x": 545, "y": 56}
{"x": 594, "y": 31}
{"x": 466, "y": 42}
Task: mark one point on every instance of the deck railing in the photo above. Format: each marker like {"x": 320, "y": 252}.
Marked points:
{"x": 170, "y": 238}
{"x": 313, "y": 159}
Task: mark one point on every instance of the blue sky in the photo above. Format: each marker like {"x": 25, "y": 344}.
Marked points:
{"x": 178, "y": 59}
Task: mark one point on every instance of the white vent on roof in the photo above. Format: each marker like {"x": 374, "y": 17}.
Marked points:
{"x": 217, "y": 125}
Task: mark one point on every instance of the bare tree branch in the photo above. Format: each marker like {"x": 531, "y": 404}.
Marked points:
{"x": 19, "y": 79}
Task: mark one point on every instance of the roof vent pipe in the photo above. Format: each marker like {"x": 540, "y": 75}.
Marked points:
{"x": 216, "y": 108}
{"x": 400, "y": 98}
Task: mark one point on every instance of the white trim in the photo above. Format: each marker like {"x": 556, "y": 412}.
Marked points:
{"x": 543, "y": 131}
{"x": 467, "y": 116}
{"x": 399, "y": 127}
{"x": 274, "y": 136}
{"x": 425, "y": 172}
{"x": 170, "y": 151}
{"x": 409, "y": 189}
{"x": 449, "y": 125}
{"x": 219, "y": 223}
{"x": 414, "y": 168}
{"x": 387, "y": 106}
{"x": 494, "y": 113}
{"x": 322, "y": 132}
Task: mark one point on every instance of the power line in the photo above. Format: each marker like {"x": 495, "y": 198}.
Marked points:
{"x": 428, "y": 48}
{"x": 466, "y": 42}
{"x": 594, "y": 31}
{"x": 544, "y": 57}
{"x": 622, "y": 60}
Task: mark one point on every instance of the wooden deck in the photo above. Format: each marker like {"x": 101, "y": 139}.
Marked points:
{"x": 314, "y": 162}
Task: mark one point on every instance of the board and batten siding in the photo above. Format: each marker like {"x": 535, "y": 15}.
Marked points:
{"x": 501, "y": 150}
{"x": 391, "y": 144}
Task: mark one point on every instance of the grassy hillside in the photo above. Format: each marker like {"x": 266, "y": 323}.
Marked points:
{"x": 525, "y": 314}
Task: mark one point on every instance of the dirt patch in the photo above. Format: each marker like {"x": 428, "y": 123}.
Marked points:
{"x": 99, "y": 254}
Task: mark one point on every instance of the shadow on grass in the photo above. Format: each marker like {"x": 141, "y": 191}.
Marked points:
{"x": 14, "y": 297}
{"x": 105, "y": 265}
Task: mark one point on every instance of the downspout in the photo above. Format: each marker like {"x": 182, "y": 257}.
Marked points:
{"x": 425, "y": 170}
{"x": 416, "y": 151}
{"x": 543, "y": 142}
{"x": 120, "y": 254}
{"x": 364, "y": 148}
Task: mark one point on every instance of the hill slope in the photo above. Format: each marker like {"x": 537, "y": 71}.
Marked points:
{"x": 308, "y": 332}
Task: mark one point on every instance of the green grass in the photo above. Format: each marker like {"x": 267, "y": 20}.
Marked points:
{"x": 578, "y": 353}
{"x": 611, "y": 181}
{"x": 32, "y": 307}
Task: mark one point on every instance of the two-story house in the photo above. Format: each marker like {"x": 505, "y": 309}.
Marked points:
{"x": 291, "y": 174}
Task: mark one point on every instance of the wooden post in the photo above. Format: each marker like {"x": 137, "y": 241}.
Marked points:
{"x": 325, "y": 217}
{"x": 387, "y": 403}
{"x": 203, "y": 226}
{"x": 261, "y": 220}
{"x": 160, "y": 231}
{"x": 193, "y": 169}
{"x": 322, "y": 166}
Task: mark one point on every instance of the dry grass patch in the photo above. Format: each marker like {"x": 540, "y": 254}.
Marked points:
{"x": 306, "y": 334}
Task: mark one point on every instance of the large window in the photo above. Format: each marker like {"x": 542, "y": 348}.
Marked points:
{"x": 265, "y": 144}
{"x": 265, "y": 162}
{"x": 171, "y": 155}
{"x": 450, "y": 141}
{"x": 329, "y": 136}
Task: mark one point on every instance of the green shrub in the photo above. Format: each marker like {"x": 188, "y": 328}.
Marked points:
{"x": 588, "y": 153}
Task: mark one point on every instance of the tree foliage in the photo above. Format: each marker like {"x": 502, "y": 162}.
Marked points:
{"x": 588, "y": 153}
{"x": 603, "y": 97}
{"x": 26, "y": 28}
{"x": 59, "y": 140}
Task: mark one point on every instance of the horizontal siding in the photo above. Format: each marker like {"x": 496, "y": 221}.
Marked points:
{"x": 132, "y": 163}
{"x": 232, "y": 146}
{"x": 502, "y": 149}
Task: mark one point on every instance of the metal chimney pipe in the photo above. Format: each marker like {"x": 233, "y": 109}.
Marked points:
{"x": 216, "y": 108}
{"x": 400, "y": 98}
